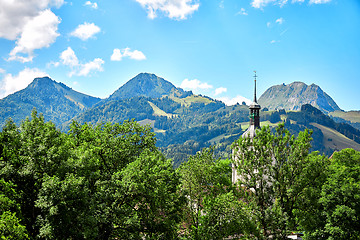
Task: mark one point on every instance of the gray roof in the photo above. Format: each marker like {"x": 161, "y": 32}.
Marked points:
{"x": 254, "y": 105}
{"x": 250, "y": 132}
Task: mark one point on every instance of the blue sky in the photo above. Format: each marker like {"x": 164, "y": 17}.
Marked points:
{"x": 208, "y": 46}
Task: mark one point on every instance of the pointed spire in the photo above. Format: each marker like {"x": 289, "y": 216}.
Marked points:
{"x": 254, "y": 109}
{"x": 255, "y": 76}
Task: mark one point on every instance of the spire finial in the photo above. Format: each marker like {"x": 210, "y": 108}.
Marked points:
{"x": 255, "y": 76}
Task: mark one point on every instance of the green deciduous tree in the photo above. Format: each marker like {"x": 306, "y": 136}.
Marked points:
{"x": 117, "y": 185}
{"x": 29, "y": 153}
{"x": 339, "y": 201}
{"x": 11, "y": 226}
{"x": 274, "y": 173}
{"x": 213, "y": 209}
{"x": 66, "y": 208}
{"x": 96, "y": 182}
{"x": 147, "y": 196}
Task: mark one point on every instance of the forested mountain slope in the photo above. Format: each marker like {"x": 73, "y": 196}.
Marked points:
{"x": 148, "y": 85}
{"x": 351, "y": 117}
{"x": 184, "y": 123}
{"x": 56, "y": 101}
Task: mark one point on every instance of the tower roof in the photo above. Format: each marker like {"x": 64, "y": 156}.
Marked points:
{"x": 250, "y": 132}
{"x": 254, "y": 104}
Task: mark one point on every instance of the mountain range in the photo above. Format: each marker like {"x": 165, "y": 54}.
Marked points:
{"x": 56, "y": 101}
{"x": 149, "y": 85}
{"x": 185, "y": 122}
{"x": 296, "y": 94}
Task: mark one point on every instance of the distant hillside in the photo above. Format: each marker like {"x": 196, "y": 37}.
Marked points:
{"x": 335, "y": 140}
{"x": 147, "y": 85}
{"x": 296, "y": 94}
{"x": 143, "y": 97}
{"x": 56, "y": 101}
{"x": 184, "y": 123}
{"x": 350, "y": 117}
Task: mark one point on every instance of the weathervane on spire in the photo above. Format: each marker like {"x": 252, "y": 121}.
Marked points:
{"x": 255, "y": 76}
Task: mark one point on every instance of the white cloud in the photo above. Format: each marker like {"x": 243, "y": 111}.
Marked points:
{"x": 85, "y": 31}
{"x": 319, "y": 1}
{"x": 95, "y": 65}
{"x": 14, "y": 15}
{"x": 136, "y": 55}
{"x": 92, "y": 5}
{"x": 282, "y": 2}
{"x": 39, "y": 32}
{"x": 273, "y": 41}
{"x": 2, "y": 71}
{"x": 220, "y": 90}
{"x": 116, "y": 56}
{"x": 262, "y": 3}
{"x": 242, "y": 12}
{"x": 126, "y": 52}
{"x": 175, "y": 9}
{"x": 29, "y": 22}
{"x": 52, "y": 64}
{"x": 232, "y": 101}
{"x": 279, "y": 20}
{"x": 194, "y": 84}
{"x": 69, "y": 58}
{"x": 56, "y": 3}
{"x": 11, "y": 83}
{"x": 221, "y": 4}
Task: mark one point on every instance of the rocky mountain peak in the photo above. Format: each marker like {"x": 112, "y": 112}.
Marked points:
{"x": 292, "y": 96}
{"x": 148, "y": 85}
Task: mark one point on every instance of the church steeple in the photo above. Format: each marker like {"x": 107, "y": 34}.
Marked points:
{"x": 255, "y": 76}
{"x": 250, "y": 132}
{"x": 255, "y": 109}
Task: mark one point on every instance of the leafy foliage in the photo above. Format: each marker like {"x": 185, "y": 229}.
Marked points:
{"x": 213, "y": 209}
{"x": 110, "y": 181}
{"x": 11, "y": 226}
{"x": 273, "y": 173}
{"x": 339, "y": 199}
{"x": 98, "y": 182}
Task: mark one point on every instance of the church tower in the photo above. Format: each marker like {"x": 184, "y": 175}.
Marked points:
{"x": 251, "y": 131}
{"x": 254, "y": 115}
